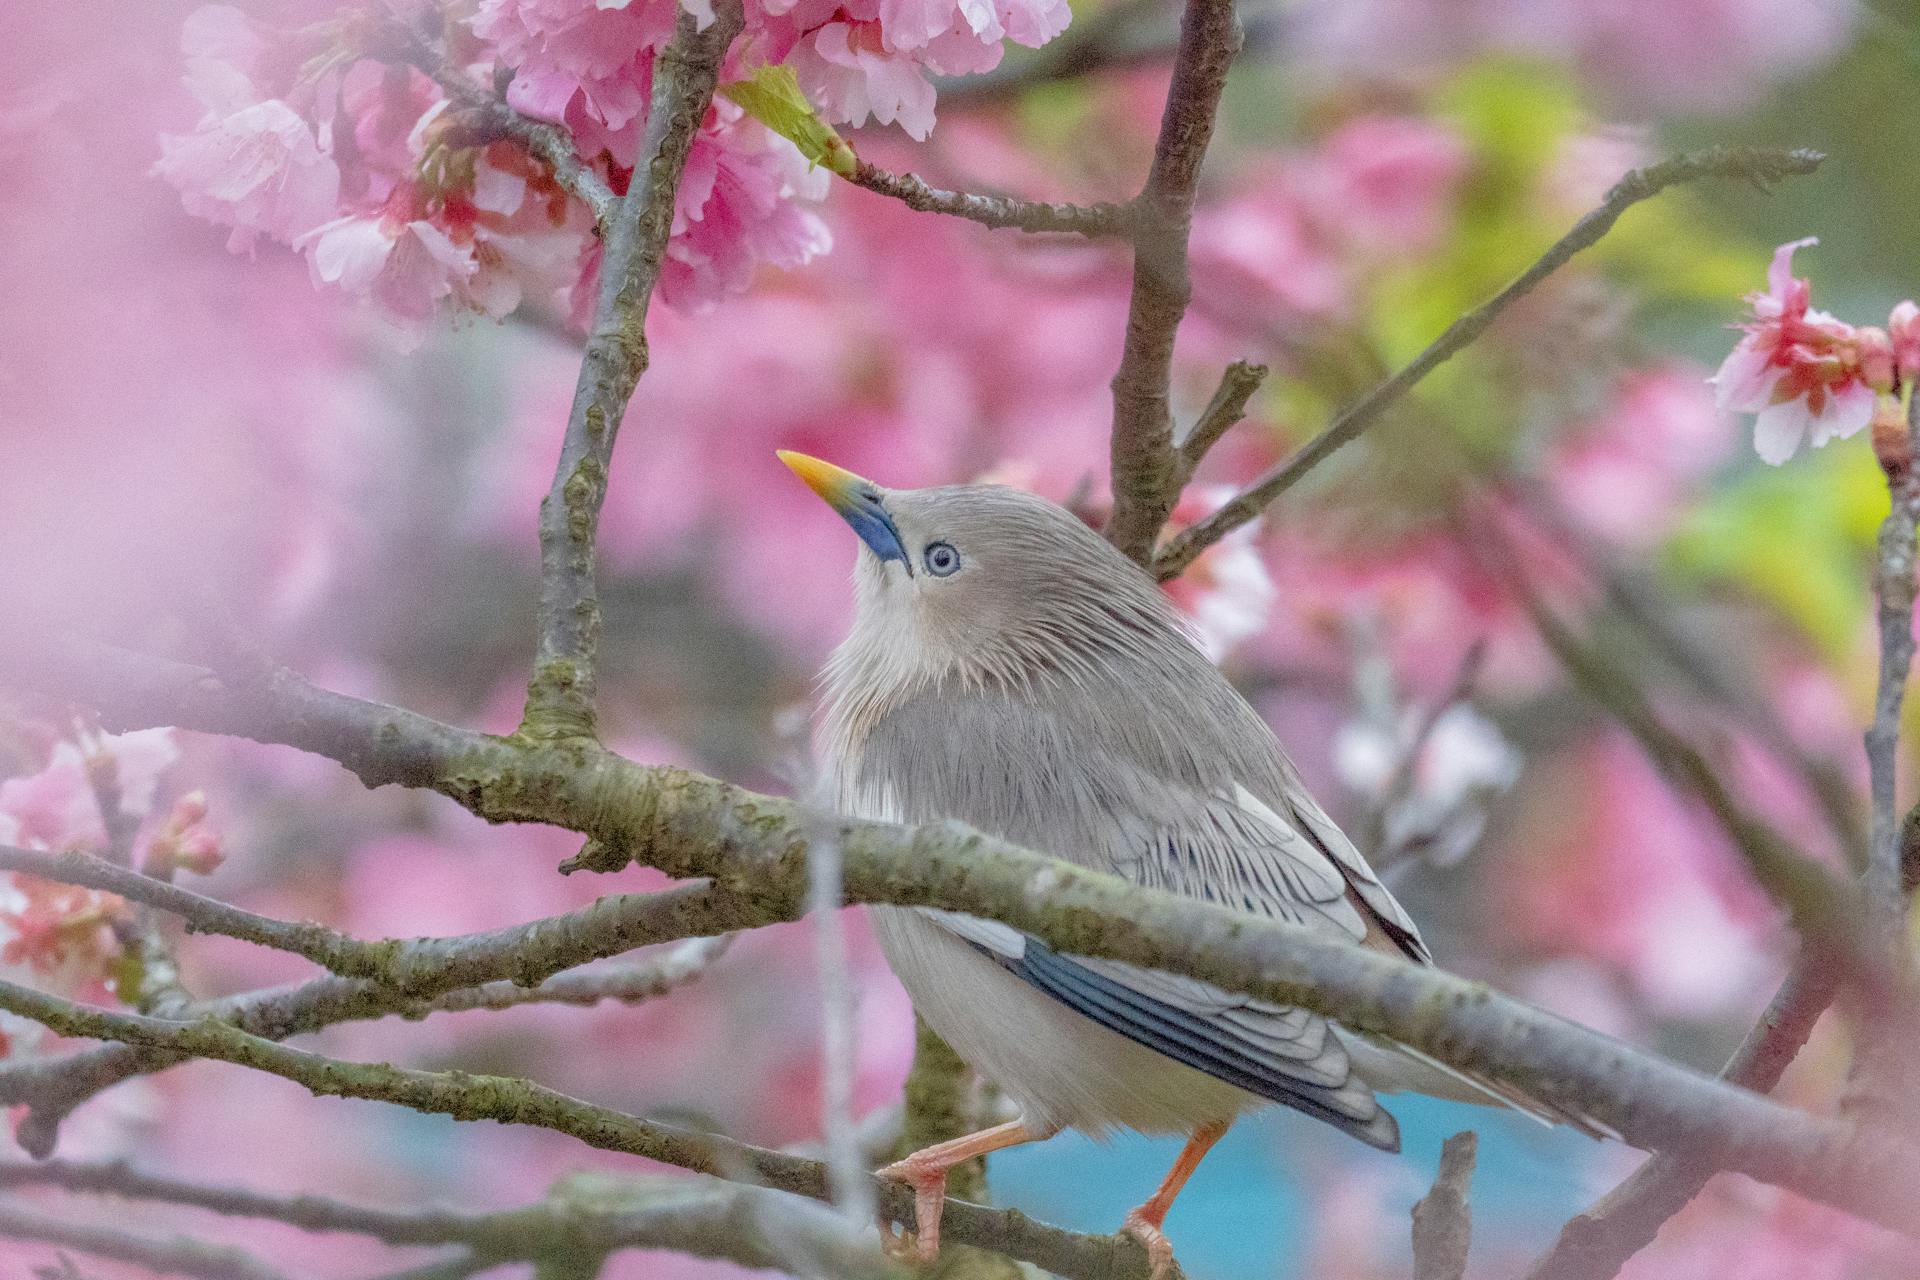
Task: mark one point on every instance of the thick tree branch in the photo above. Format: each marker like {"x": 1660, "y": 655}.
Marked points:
{"x": 1442, "y": 1222}
{"x": 561, "y": 694}
{"x": 1145, "y": 466}
{"x": 1759, "y": 166}
{"x": 754, "y": 848}
{"x": 176, "y": 1256}
{"x": 1094, "y": 221}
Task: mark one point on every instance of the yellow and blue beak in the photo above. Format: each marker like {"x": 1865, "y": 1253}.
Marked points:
{"x": 859, "y": 502}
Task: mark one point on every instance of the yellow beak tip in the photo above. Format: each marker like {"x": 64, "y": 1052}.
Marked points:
{"x": 832, "y": 483}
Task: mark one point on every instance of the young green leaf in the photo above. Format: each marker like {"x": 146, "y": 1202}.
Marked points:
{"x": 772, "y": 96}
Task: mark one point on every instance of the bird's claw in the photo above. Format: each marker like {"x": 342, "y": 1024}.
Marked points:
{"x": 922, "y": 1244}
{"x": 1153, "y": 1240}
{"x": 900, "y": 1244}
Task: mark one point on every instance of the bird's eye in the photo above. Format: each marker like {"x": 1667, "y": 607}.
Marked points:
{"x": 940, "y": 558}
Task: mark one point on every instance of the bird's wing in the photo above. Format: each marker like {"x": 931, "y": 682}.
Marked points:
{"x": 1040, "y": 782}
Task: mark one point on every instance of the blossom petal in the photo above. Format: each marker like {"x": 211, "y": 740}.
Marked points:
{"x": 1744, "y": 382}
{"x": 1780, "y": 273}
{"x": 1849, "y": 408}
{"x": 1778, "y": 430}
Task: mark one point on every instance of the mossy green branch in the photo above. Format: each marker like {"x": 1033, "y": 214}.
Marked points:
{"x": 753, "y": 848}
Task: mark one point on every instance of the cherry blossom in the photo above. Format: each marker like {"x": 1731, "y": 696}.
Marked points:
{"x": 1805, "y": 374}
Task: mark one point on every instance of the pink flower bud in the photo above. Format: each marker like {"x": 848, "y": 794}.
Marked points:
{"x": 1874, "y": 350}
{"x": 187, "y": 810}
{"x": 1903, "y": 329}
{"x": 199, "y": 852}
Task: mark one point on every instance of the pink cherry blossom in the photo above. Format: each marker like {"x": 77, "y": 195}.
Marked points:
{"x": 408, "y": 264}
{"x": 847, "y": 68}
{"x": 258, "y": 169}
{"x": 1800, "y": 371}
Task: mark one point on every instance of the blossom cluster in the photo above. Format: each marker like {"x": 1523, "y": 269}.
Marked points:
{"x": 91, "y": 786}
{"x": 1810, "y": 376}
{"x": 332, "y": 138}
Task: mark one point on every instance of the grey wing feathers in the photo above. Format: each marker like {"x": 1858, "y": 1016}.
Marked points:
{"x": 1286, "y": 1055}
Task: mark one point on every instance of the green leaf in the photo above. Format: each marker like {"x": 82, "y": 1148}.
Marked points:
{"x": 772, "y": 96}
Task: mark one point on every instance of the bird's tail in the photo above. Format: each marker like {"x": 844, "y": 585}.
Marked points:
{"x": 1396, "y": 1068}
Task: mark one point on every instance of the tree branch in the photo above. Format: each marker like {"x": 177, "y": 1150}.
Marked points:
{"x": 1145, "y": 467}
{"x": 1594, "y": 1245}
{"x": 560, "y": 696}
{"x": 177, "y": 1256}
{"x": 416, "y": 967}
{"x": 423, "y": 976}
{"x": 754, "y": 848}
{"x": 1884, "y": 1072}
{"x": 486, "y": 110}
{"x": 1823, "y": 907}
{"x": 1093, "y": 221}
{"x": 1228, "y": 405}
{"x": 462, "y": 1096}
{"x": 1759, "y": 166}
{"x": 586, "y": 1214}
{"x": 1442, "y": 1222}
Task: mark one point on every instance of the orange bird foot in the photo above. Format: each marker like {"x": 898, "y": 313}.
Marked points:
{"x": 1153, "y": 1239}
{"x": 929, "y": 1183}
{"x": 926, "y": 1172}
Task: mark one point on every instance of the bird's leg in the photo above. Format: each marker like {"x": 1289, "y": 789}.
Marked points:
{"x": 926, "y": 1172}
{"x": 1144, "y": 1223}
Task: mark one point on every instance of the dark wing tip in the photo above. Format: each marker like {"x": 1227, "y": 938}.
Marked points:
{"x": 1205, "y": 1046}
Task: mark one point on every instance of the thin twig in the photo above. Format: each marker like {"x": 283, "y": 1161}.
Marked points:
{"x": 560, "y": 696}
{"x": 1442, "y": 1222}
{"x": 1228, "y": 405}
{"x": 1893, "y": 589}
{"x": 852, "y": 1190}
{"x": 1761, "y": 166}
{"x": 1145, "y": 467}
{"x": 1094, "y": 221}
{"x": 1822, "y": 906}
{"x": 1639, "y": 600}
{"x": 176, "y": 1256}
{"x": 550, "y": 143}
{"x": 1389, "y": 856}
{"x": 1883, "y": 1061}
{"x": 411, "y": 967}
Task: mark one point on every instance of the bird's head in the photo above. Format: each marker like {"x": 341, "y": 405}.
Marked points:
{"x": 986, "y": 583}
